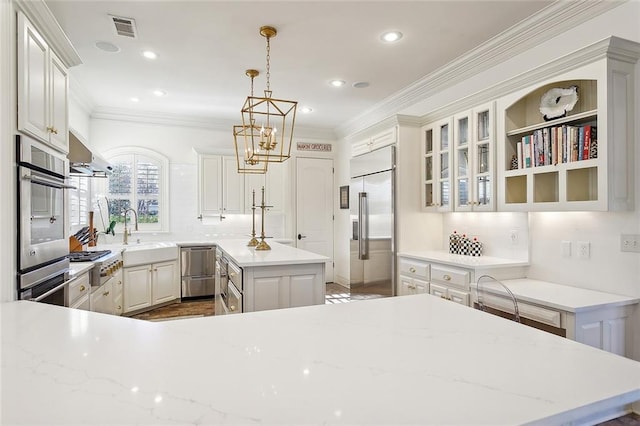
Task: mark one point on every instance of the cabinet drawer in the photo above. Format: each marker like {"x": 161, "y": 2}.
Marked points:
{"x": 414, "y": 268}
{"x": 536, "y": 313}
{"x": 78, "y": 288}
{"x": 447, "y": 276}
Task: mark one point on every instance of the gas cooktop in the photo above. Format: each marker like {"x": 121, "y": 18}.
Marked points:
{"x": 87, "y": 256}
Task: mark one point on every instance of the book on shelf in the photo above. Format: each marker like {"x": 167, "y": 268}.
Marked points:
{"x": 556, "y": 145}
{"x": 587, "y": 142}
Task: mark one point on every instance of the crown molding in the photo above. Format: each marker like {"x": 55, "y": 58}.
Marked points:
{"x": 169, "y": 119}
{"x": 394, "y": 120}
{"x": 610, "y": 47}
{"x": 39, "y": 14}
{"x": 549, "y": 22}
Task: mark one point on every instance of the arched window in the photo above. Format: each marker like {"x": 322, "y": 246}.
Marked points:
{"x": 139, "y": 181}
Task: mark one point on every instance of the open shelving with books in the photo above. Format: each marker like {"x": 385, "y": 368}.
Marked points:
{"x": 581, "y": 160}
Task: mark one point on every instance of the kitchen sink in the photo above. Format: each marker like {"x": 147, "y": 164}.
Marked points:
{"x": 152, "y": 252}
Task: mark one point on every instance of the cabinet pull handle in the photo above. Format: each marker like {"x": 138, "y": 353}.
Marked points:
{"x": 106, "y": 293}
{"x": 447, "y": 277}
{"x": 443, "y": 297}
{"x": 412, "y": 270}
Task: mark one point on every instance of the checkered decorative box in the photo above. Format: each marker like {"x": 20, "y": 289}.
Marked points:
{"x": 454, "y": 243}
{"x": 475, "y": 248}
{"x": 465, "y": 245}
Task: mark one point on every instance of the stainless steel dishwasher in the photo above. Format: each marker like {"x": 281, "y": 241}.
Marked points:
{"x": 197, "y": 266}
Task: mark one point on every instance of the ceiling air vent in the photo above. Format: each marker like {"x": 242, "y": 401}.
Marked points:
{"x": 124, "y": 26}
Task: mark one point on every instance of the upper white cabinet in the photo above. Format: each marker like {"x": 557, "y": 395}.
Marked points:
{"x": 474, "y": 158}
{"x": 220, "y": 186}
{"x": 437, "y": 164}
{"x": 43, "y": 87}
{"x": 384, "y": 138}
{"x": 458, "y": 155}
{"x": 582, "y": 160}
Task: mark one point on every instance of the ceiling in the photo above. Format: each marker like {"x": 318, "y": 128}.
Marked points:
{"x": 204, "y": 48}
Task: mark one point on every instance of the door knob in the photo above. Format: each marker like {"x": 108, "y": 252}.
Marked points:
{"x": 300, "y": 236}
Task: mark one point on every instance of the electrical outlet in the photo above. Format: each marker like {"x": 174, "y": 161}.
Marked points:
{"x": 630, "y": 243}
{"x": 513, "y": 236}
{"x": 584, "y": 249}
{"x": 566, "y": 249}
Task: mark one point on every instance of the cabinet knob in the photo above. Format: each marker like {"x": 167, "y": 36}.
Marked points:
{"x": 82, "y": 288}
{"x": 412, "y": 269}
{"x": 119, "y": 307}
{"x": 443, "y": 297}
{"x": 232, "y": 308}
{"x": 120, "y": 282}
{"x": 447, "y": 277}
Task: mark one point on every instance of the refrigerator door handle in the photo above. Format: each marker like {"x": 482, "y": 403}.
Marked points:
{"x": 363, "y": 222}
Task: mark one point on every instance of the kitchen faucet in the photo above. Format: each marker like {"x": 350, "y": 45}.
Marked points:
{"x": 127, "y": 232}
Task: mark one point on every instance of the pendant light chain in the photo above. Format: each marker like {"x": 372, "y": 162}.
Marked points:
{"x": 268, "y": 62}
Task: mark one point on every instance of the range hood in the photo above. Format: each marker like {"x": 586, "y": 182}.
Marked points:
{"x": 84, "y": 162}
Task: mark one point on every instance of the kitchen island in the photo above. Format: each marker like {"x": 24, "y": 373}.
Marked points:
{"x": 404, "y": 360}
{"x": 259, "y": 280}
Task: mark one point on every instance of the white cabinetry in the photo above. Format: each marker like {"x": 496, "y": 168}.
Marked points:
{"x": 276, "y": 287}
{"x": 458, "y": 162}
{"x": 384, "y": 138}
{"x": 102, "y": 298}
{"x": 220, "y": 186}
{"x": 79, "y": 291}
{"x": 564, "y": 173}
{"x": 473, "y": 159}
{"x": 43, "y": 87}
{"x": 437, "y": 165}
{"x": 118, "y": 292}
{"x": 413, "y": 277}
{"x": 604, "y": 322}
{"x": 451, "y": 284}
{"x": 149, "y": 285}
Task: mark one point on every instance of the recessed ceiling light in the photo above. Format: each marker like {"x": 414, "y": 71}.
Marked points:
{"x": 107, "y": 46}
{"x": 159, "y": 92}
{"x": 149, "y": 54}
{"x": 391, "y": 36}
{"x": 360, "y": 84}
{"x": 337, "y": 83}
{"x": 306, "y": 110}
{"x": 134, "y": 99}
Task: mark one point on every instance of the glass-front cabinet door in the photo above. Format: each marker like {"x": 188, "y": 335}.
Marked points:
{"x": 484, "y": 158}
{"x": 461, "y": 137}
{"x": 474, "y": 142}
{"x": 437, "y": 165}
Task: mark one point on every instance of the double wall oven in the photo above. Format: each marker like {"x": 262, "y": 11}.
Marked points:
{"x": 43, "y": 244}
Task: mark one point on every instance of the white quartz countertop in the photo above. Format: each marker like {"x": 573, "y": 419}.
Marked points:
{"x": 77, "y": 268}
{"x": 463, "y": 261}
{"x": 404, "y": 360}
{"x": 280, "y": 254}
{"x": 563, "y": 297}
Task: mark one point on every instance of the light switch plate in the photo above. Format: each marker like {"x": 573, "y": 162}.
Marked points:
{"x": 630, "y": 243}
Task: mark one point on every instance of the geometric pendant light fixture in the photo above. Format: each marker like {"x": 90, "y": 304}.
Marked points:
{"x": 268, "y": 122}
{"x": 242, "y": 135}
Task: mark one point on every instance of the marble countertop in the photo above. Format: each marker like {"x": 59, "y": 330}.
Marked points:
{"x": 280, "y": 254}
{"x": 413, "y": 360}
{"x": 563, "y": 297}
{"x": 447, "y": 258}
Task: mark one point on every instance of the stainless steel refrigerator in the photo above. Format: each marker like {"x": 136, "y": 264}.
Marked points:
{"x": 372, "y": 207}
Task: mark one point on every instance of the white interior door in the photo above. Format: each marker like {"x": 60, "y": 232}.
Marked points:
{"x": 314, "y": 208}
